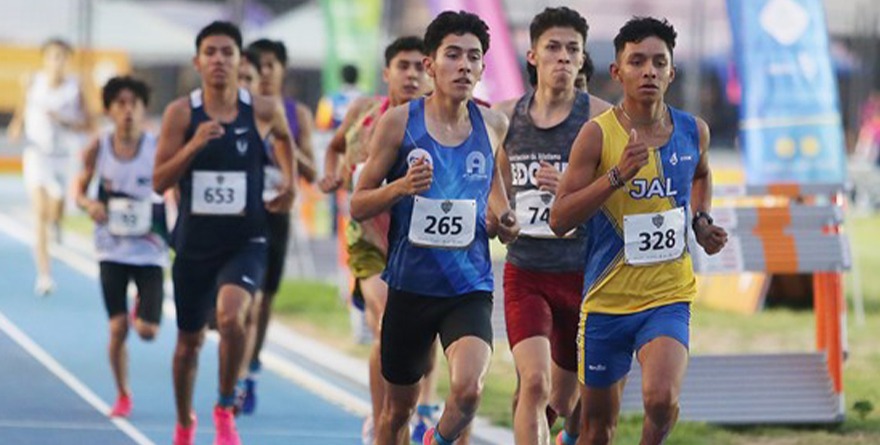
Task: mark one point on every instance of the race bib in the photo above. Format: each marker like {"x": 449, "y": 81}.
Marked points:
{"x": 443, "y": 223}
{"x": 652, "y": 238}
{"x": 219, "y": 192}
{"x": 533, "y": 214}
{"x": 129, "y": 217}
{"x": 272, "y": 179}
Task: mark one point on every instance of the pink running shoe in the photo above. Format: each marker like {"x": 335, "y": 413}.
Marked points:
{"x": 186, "y": 436}
{"x": 224, "y": 426}
{"x": 428, "y": 438}
{"x": 122, "y": 407}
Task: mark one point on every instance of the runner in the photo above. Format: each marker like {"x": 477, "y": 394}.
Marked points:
{"x": 212, "y": 148}
{"x": 51, "y": 116}
{"x": 368, "y": 240}
{"x": 249, "y": 72}
{"x": 272, "y": 63}
{"x": 543, "y": 276}
{"x": 636, "y": 173}
{"x": 129, "y": 221}
{"x": 437, "y": 156}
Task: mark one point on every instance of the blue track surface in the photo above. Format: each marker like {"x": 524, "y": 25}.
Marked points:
{"x": 36, "y": 407}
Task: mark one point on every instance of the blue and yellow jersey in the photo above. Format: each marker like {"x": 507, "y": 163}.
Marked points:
{"x": 610, "y": 284}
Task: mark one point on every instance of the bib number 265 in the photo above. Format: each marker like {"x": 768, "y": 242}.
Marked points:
{"x": 443, "y": 225}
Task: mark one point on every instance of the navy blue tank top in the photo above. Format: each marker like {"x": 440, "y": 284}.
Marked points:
{"x": 463, "y": 172}
{"x": 221, "y": 203}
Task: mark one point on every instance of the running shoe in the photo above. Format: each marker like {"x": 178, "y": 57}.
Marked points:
{"x": 186, "y": 436}
{"x": 224, "y": 427}
{"x": 249, "y": 396}
{"x": 560, "y": 439}
{"x": 368, "y": 431}
{"x": 425, "y": 417}
{"x": 44, "y": 285}
{"x": 122, "y": 407}
{"x": 428, "y": 438}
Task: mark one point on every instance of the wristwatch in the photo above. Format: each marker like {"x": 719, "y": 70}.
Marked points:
{"x": 697, "y": 217}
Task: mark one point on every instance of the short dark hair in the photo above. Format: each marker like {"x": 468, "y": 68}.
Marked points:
{"x": 221, "y": 28}
{"x": 115, "y": 85}
{"x": 349, "y": 74}
{"x": 59, "y": 42}
{"x": 458, "y": 23}
{"x": 252, "y": 57}
{"x": 561, "y": 17}
{"x": 640, "y": 28}
{"x": 401, "y": 44}
{"x": 588, "y": 69}
{"x": 276, "y": 47}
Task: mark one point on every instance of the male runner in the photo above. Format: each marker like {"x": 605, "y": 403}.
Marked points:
{"x": 437, "y": 156}
{"x": 272, "y": 65}
{"x": 543, "y": 276}
{"x": 635, "y": 175}
{"x": 211, "y": 147}
{"x": 52, "y": 116}
{"x": 129, "y": 223}
{"x": 368, "y": 240}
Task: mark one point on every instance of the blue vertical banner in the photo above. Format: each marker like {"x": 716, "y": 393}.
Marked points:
{"x": 790, "y": 122}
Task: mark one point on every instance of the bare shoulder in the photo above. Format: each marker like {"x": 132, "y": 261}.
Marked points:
{"x": 495, "y": 120}
{"x": 302, "y": 110}
{"x": 703, "y": 131}
{"x": 178, "y": 111}
{"x": 598, "y": 106}
{"x": 265, "y": 107}
{"x": 398, "y": 115}
{"x": 362, "y": 104}
{"x": 506, "y": 107}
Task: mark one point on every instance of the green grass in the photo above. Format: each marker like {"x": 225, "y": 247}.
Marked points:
{"x": 316, "y": 308}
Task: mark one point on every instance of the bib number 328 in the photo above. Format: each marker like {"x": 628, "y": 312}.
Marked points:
{"x": 652, "y": 238}
{"x": 444, "y": 223}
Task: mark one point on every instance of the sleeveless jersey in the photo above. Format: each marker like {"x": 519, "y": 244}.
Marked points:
{"x": 526, "y": 145}
{"x": 462, "y": 180}
{"x": 612, "y": 284}
{"x": 374, "y": 230}
{"x": 221, "y": 192}
{"x": 125, "y": 186}
{"x": 40, "y": 131}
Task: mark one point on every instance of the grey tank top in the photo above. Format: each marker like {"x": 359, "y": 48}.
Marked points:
{"x": 526, "y": 145}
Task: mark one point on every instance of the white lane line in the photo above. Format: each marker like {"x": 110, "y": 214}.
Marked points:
{"x": 68, "y": 379}
{"x": 274, "y": 362}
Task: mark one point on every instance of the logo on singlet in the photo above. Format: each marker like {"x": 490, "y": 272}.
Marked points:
{"x": 642, "y": 189}
{"x": 475, "y": 166}
{"x": 241, "y": 145}
{"x": 419, "y": 153}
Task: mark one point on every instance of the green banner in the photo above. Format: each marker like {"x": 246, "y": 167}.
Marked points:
{"x": 353, "y": 34}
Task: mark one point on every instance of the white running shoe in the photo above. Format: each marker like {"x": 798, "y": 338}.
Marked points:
{"x": 368, "y": 432}
{"x": 44, "y": 285}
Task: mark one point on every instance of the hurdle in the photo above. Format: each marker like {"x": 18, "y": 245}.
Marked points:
{"x": 802, "y": 236}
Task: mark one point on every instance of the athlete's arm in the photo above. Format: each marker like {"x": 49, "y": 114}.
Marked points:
{"x": 711, "y": 237}
{"x": 499, "y": 204}
{"x": 173, "y": 153}
{"x": 271, "y": 111}
{"x": 506, "y": 107}
{"x": 336, "y": 149}
{"x": 16, "y": 125}
{"x": 94, "y": 208}
{"x": 370, "y": 197}
{"x": 579, "y": 194}
{"x": 305, "y": 156}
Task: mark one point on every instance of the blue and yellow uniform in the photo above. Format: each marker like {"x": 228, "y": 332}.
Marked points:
{"x": 639, "y": 279}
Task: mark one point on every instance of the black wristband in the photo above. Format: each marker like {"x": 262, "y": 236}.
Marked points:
{"x": 697, "y": 217}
